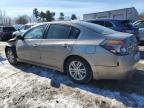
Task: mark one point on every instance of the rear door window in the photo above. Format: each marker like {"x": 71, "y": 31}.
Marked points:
{"x": 74, "y": 33}
{"x": 58, "y": 31}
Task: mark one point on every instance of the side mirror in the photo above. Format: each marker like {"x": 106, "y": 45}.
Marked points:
{"x": 19, "y": 37}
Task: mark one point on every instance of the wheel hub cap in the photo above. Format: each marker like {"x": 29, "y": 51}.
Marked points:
{"x": 77, "y": 70}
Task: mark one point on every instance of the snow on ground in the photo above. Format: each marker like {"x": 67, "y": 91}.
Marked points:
{"x": 28, "y": 86}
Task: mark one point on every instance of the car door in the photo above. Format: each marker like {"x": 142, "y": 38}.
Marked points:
{"x": 28, "y": 48}
{"x": 58, "y": 44}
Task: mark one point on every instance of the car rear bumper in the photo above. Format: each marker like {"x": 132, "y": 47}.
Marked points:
{"x": 125, "y": 68}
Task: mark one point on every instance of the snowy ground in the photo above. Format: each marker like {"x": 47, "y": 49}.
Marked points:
{"x": 27, "y": 86}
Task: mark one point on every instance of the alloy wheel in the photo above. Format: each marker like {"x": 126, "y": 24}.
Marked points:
{"x": 10, "y": 56}
{"x": 77, "y": 70}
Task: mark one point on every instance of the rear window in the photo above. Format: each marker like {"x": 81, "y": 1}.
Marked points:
{"x": 97, "y": 28}
{"x": 9, "y": 29}
{"x": 57, "y": 31}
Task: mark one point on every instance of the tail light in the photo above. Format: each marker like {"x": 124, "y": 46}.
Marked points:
{"x": 115, "y": 46}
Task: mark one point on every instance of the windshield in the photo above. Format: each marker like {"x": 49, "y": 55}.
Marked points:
{"x": 9, "y": 29}
{"x": 97, "y": 28}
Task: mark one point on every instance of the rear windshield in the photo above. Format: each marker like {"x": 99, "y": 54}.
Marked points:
{"x": 97, "y": 28}
{"x": 9, "y": 29}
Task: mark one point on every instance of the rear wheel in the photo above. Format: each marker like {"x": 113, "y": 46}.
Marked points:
{"x": 79, "y": 70}
{"x": 11, "y": 56}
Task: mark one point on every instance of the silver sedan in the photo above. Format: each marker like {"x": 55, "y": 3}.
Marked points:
{"x": 83, "y": 50}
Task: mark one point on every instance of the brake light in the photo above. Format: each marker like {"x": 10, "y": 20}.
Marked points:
{"x": 115, "y": 46}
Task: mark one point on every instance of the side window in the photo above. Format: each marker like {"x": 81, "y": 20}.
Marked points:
{"x": 74, "y": 33}
{"x": 35, "y": 33}
{"x": 99, "y": 23}
{"x": 108, "y": 24}
{"x": 57, "y": 31}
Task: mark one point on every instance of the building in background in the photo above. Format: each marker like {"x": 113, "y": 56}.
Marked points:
{"x": 126, "y": 14}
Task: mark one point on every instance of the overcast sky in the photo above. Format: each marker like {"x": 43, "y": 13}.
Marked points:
{"x": 19, "y": 7}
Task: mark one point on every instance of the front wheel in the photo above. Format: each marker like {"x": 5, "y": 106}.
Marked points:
{"x": 11, "y": 56}
{"x": 79, "y": 70}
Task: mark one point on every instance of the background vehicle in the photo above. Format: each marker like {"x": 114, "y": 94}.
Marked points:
{"x": 118, "y": 25}
{"x": 140, "y": 25}
{"x": 6, "y": 32}
{"x": 22, "y": 29}
{"x": 83, "y": 50}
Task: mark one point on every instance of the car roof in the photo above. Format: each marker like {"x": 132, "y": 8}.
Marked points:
{"x": 59, "y": 22}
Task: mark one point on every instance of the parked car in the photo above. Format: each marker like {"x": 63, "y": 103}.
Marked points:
{"x": 118, "y": 25}
{"x": 22, "y": 29}
{"x": 83, "y": 50}
{"x": 140, "y": 25}
{"x": 6, "y": 32}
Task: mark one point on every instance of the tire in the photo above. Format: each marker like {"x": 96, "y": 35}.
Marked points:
{"x": 80, "y": 72}
{"x": 11, "y": 56}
